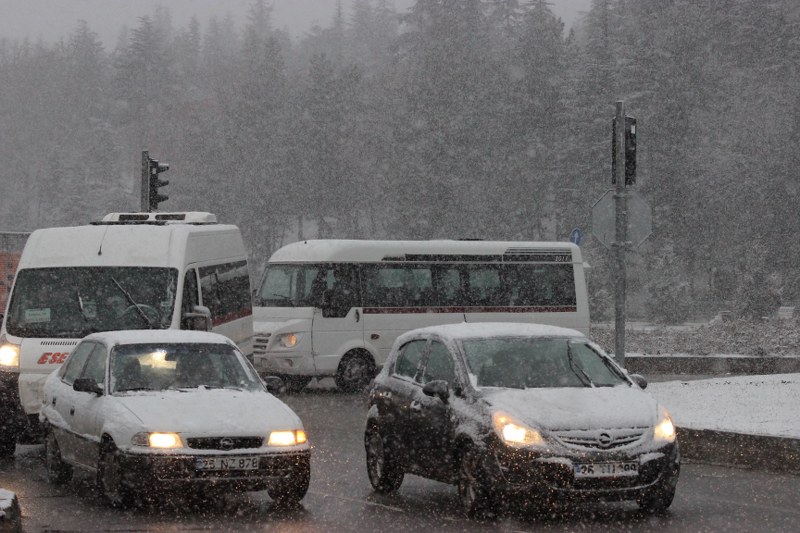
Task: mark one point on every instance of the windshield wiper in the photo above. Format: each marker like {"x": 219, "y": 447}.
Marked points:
{"x": 577, "y": 369}
{"x": 133, "y": 303}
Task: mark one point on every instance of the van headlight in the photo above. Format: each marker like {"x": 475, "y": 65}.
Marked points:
{"x": 664, "y": 430}
{"x": 157, "y": 440}
{"x": 289, "y": 340}
{"x": 514, "y": 433}
{"x": 9, "y": 354}
{"x": 288, "y": 437}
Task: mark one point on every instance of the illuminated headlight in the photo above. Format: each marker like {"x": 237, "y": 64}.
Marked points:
{"x": 157, "y": 440}
{"x": 9, "y": 354}
{"x": 287, "y": 437}
{"x": 664, "y": 430}
{"x": 289, "y": 340}
{"x": 514, "y": 433}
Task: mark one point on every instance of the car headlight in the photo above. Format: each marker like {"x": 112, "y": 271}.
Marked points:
{"x": 157, "y": 440}
{"x": 289, "y": 437}
{"x": 289, "y": 340}
{"x": 514, "y": 433}
{"x": 9, "y": 353}
{"x": 664, "y": 430}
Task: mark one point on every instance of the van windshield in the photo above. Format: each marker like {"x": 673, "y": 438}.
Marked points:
{"x": 71, "y": 302}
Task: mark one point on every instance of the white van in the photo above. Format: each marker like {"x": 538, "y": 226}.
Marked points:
{"x": 334, "y": 307}
{"x": 128, "y": 271}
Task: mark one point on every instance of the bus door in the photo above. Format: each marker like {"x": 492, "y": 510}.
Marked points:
{"x": 338, "y": 323}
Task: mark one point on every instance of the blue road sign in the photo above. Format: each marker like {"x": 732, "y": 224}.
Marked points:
{"x": 575, "y": 236}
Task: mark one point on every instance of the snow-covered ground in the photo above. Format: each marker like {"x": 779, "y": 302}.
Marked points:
{"x": 756, "y": 405}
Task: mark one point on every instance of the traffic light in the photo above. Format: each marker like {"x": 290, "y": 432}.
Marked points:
{"x": 155, "y": 168}
{"x": 630, "y": 151}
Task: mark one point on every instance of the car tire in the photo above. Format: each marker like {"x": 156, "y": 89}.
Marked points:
{"x": 8, "y": 444}
{"x": 109, "y": 477}
{"x": 356, "y": 370}
{"x": 385, "y": 473}
{"x": 58, "y": 472}
{"x": 289, "y": 492}
{"x": 474, "y": 493}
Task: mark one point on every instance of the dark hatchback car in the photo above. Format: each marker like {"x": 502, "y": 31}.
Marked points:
{"x": 525, "y": 409}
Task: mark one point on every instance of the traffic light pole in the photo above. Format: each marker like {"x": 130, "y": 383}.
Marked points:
{"x": 621, "y": 237}
{"x": 145, "y": 196}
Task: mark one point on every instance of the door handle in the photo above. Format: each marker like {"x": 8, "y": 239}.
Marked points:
{"x": 72, "y": 410}
{"x": 53, "y": 402}
{"x": 358, "y": 315}
{"x": 415, "y": 406}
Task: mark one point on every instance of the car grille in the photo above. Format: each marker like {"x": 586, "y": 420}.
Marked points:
{"x": 224, "y": 443}
{"x": 604, "y": 439}
{"x": 260, "y": 342}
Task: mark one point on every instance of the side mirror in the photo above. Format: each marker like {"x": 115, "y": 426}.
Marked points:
{"x": 275, "y": 385}
{"x": 198, "y": 320}
{"x": 438, "y": 389}
{"x": 639, "y": 380}
{"x": 87, "y": 385}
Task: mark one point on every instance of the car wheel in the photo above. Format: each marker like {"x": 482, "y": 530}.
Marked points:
{"x": 8, "y": 444}
{"x": 385, "y": 474}
{"x": 356, "y": 370}
{"x": 109, "y": 477}
{"x": 58, "y": 472}
{"x": 289, "y": 492}
{"x": 473, "y": 490}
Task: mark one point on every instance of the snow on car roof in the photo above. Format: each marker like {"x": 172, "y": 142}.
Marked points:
{"x": 159, "y": 335}
{"x": 466, "y": 330}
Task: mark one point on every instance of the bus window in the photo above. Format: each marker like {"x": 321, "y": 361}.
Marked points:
{"x": 396, "y": 285}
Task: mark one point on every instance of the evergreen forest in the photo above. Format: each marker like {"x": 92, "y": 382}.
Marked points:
{"x": 452, "y": 119}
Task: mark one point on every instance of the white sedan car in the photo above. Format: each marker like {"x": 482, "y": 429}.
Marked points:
{"x": 151, "y": 410}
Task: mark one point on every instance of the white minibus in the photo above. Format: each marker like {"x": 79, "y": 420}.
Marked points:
{"x": 334, "y": 307}
{"x": 128, "y": 271}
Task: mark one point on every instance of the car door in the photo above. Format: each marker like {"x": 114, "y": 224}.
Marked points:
{"x": 63, "y": 400}
{"x": 87, "y": 406}
{"x": 400, "y": 391}
{"x": 431, "y": 420}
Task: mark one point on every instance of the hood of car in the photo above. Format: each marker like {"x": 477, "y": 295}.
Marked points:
{"x": 557, "y": 409}
{"x": 210, "y": 412}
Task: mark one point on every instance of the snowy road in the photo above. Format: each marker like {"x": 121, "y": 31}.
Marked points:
{"x": 709, "y": 498}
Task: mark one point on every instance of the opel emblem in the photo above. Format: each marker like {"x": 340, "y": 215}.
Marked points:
{"x": 605, "y": 440}
{"x": 226, "y": 443}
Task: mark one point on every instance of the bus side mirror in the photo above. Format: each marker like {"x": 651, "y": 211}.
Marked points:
{"x": 198, "y": 320}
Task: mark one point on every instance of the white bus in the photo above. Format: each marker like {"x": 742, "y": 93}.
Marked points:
{"x": 128, "y": 271}
{"x": 334, "y": 307}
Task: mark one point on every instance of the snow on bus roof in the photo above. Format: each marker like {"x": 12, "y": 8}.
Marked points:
{"x": 353, "y": 250}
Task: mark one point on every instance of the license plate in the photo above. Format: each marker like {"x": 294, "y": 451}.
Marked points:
{"x": 606, "y": 469}
{"x": 227, "y": 463}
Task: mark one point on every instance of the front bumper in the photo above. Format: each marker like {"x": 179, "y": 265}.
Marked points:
{"x": 146, "y": 471}
{"x": 552, "y": 477}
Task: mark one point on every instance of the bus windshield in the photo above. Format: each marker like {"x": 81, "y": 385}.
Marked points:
{"x": 71, "y": 302}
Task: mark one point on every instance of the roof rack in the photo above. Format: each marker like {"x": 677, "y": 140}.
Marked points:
{"x": 189, "y": 217}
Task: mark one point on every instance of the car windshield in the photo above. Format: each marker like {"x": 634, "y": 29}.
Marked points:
{"x": 70, "y": 302}
{"x": 292, "y": 285}
{"x": 182, "y": 366}
{"x": 522, "y": 362}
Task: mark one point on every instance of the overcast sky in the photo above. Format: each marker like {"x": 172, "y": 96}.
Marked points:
{"x": 53, "y": 19}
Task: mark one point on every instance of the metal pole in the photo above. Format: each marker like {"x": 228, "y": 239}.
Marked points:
{"x": 145, "y": 194}
{"x": 621, "y": 237}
